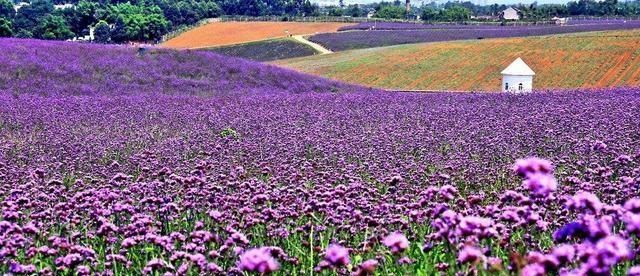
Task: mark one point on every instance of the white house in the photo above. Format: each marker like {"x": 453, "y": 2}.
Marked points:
{"x": 371, "y": 14}
{"x": 560, "y": 20}
{"x": 517, "y": 77}
{"x": 510, "y": 14}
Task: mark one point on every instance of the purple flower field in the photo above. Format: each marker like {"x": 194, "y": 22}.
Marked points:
{"x": 363, "y": 26}
{"x": 123, "y": 180}
{"x": 53, "y": 68}
{"x": 387, "y": 34}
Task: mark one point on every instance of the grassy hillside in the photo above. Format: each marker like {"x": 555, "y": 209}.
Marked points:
{"x": 596, "y": 59}
{"x": 267, "y": 50}
{"x": 229, "y": 33}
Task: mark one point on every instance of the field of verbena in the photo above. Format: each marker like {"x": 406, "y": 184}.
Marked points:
{"x": 53, "y": 68}
{"x": 134, "y": 183}
{"x": 397, "y": 35}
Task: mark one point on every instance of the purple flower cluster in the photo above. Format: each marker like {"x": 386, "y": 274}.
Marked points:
{"x": 258, "y": 260}
{"x": 396, "y": 242}
{"x": 538, "y": 175}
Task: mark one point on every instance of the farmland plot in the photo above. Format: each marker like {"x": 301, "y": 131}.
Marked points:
{"x": 589, "y": 60}
{"x": 228, "y": 33}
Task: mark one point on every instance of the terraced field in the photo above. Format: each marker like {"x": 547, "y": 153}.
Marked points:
{"x": 228, "y": 33}
{"x": 589, "y": 60}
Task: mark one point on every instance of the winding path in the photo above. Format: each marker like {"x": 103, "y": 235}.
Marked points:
{"x": 318, "y": 47}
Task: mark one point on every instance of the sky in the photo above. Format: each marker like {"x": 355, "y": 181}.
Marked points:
{"x": 417, "y": 2}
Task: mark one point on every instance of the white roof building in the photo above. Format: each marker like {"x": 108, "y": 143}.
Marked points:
{"x": 559, "y": 20}
{"x": 371, "y": 14}
{"x": 517, "y": 77}
{"x": 510, "y": 14}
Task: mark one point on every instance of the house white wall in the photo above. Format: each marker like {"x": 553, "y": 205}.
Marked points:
{"x": 514, "y": 84}
{"x": 510, "y": 14}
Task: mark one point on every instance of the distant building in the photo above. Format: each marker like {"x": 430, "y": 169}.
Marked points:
{"x": 89, "y": 37}
{"x": 510, "y": 13}
{"x": 517, "y": 77}
{"x": 484, "y": 17}
{"x": 560, "y": 20}
{"x": 371, "y": 14}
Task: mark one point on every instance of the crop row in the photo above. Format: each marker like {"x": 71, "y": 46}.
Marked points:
{"x": 367, "y": 39}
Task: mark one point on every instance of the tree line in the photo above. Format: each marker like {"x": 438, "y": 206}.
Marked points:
{"x": 464, "y": 11}
{"x": 119, "y": 21}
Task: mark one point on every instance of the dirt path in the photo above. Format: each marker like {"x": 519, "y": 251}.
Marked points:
{"x": 318, "y": 47}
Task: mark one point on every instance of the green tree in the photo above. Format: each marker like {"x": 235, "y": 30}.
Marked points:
{"x": 23, "y": 34}
{"x": 6, "y": 9}
{"x": 83, "y": 15}
{"x": 30, "y": 16}
{"x": 189, "y": 12}
{"x": 355, "y": 11}
{"x": 53, "y": 27}
{"x": 102, "y": 32}
{"x": 252, "y": 7}
{"x": 429, "y": 14}
{"x": 5, "y": 28}
{"x": 457, "y": 14}
{"x": 119, "y": 31}
{"x": 136, "y": 23}
{"x": 154, "y": 27}
{"x": 391, "y": 12}
{"x": 608, "y": 7}
{"x": 336, "y": 11}
{"x": 309, "y": 9}
{"x": 209, "y": 9}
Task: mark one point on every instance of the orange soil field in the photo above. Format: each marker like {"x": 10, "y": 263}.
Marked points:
{"x": 228, "y": 33}
{"x": 598, "y": 59}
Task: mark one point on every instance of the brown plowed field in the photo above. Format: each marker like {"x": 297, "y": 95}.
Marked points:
{"x": 228, "y": 33}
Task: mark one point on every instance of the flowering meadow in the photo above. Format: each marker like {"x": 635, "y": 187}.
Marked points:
{"x": 386, "y": 34}
{"x": 334, "y": 181}
{"x": 52, "y": 68}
